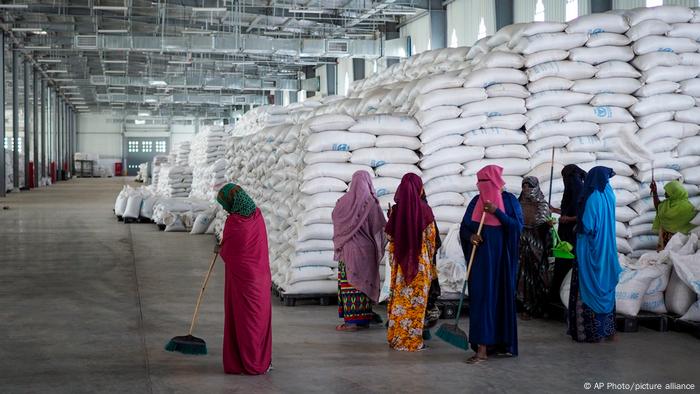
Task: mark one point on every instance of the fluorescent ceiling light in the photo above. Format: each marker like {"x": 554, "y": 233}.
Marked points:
{"x": 144, "y": 114}
{"x": 49, "y": 60}
{"x": 308, "y": 11}
{"x": 180, "y": 62}
{"x": 150, "y": 100}
{"x": 70, "y": 87}
{"x": 55, "y": 71}
{"x": 139, "y": 121}
{"x": 107, "y": 31}
{"x": 37, "y": 47}
{"x": 157, "y": 83}
{"x": 114, "y": 61}
{"x": 14, "y": 6}
{"x": 209, "y": 9}
{"x": 115, "y": 72}
{"x": 109, "y": 8}
{"x": 241, "y": 62}
{"x": 116, "y": 88}
{"x": 62, "y": 80}
{"x": 35, "y": 30}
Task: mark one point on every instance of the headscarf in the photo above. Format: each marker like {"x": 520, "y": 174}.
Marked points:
{"x": 234, "y": 200}
{"x": 535, "y": 207}
{"x": 490, "y": 184}
{"x": 676, "y": 211}
{"x": 407, "y": 221}
{"x": 573, "y": 187}
{"x": 597, "y": 180}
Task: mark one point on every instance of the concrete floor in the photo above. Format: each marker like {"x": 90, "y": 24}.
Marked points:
{"x": 87, "y": 303}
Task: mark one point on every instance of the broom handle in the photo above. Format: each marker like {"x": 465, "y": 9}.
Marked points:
{"x": 201, "y": 293}
{"x": 551, "y": 178}
{"x": 469, "y": 268}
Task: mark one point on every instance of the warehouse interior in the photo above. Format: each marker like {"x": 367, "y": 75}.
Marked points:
{"x": 125, "y": 118}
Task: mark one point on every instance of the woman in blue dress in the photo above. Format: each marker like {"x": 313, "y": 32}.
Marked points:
{"x": 492, "y": 287}
{"x": 595, "y": 274}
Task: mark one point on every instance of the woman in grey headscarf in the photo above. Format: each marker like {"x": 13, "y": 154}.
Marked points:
{"x": 535, "y": 243}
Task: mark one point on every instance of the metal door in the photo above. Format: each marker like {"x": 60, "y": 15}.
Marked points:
{"x": 141, "y": 150}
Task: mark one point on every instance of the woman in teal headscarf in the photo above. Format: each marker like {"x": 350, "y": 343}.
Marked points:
{"x": 595, "y": 274}
{"x": 247, "y": 300}
{"x": 674, "y": 214}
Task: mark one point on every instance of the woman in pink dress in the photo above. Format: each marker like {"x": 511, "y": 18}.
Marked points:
{"x": 248, "y": 308}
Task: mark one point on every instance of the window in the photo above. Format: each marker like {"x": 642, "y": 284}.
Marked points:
{"x": 146, "y": 146}
{"x": 160, "y": 146}
{"x": 571, "y": 9}
{"x": 133, "y": 146}
{"x": 654, "y": 3}
{"x": 454, "y": 42}
{"x": 9, "y": 144}
{"x": 482, "y": 29}
{"x": 539, "y": 11}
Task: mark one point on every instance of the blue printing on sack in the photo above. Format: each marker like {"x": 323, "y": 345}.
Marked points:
{"x": 377, "y": 163}
{"x": 623, "y": 295}
{"x": 665, "y": 50}
{"x": 341, "y": 147}
{"x": 602, "y": 112}
{"x": 382, "y": 192}
{"x": 595, "y": 31}
{"x": 490, "y": 114}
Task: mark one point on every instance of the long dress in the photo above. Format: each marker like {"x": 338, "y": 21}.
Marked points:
{"x": 534, "y": 275}
{"x": 408, "y": 301}
{"x": 596, "y": 253}
{"x": 247, "y": 299}
{"x": 354, "y": 307}
{"x": 492, "y": 282}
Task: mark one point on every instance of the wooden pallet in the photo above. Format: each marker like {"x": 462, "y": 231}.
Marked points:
{"x": 161, "y": 227}
{"x": 654, "y": 321}
{"x": 690, "y": 327}
{"x": 322, "y": 299}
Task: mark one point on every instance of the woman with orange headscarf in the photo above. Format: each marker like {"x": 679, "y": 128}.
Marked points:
{"x": 492, "y": 314}
{"x": 412, "y": 238}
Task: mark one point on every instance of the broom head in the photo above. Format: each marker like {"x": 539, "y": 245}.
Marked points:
{"x": 453, "y": 335}
{"x": 187, "y": 344}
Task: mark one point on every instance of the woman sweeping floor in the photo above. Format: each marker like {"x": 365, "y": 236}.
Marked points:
{"x": 674, "y": 214}
{"x": 492, "y": 314}
{"x": 247, "y": 305}
{"x": 535, "y": 244}
{"x": 359, "y": 242}
{"x": 594, "y": 277}
{"x": 412, "y": 235}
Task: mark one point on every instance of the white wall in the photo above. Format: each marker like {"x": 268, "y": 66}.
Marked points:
{"x": 419, "y": 31}
{"x": 464, "y": 21}
{"x": 181, "y": 133}
{"x": 97, "y": 135}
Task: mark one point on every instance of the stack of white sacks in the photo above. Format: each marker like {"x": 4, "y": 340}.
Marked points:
{"x": 174, "y": 181}
{"x": 659, "y": 39}
{"x": 157, "y": 162}
{"x": 181, "y": 153}
{"x": 208, "y": 163}
{"x": 581, "y": 88}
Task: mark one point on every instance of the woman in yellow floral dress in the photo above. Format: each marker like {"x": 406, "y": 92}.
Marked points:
{"x": 412, "y": 235}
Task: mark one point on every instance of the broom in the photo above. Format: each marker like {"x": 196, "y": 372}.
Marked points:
{"x": 451, "y": 333}
{"x": 189, "y": 344}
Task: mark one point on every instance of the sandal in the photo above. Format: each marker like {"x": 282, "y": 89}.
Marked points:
{"x": 475, "y": 359}
{"x": 346, "y": 328}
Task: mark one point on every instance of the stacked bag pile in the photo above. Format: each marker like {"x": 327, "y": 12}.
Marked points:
{"x": 181, "y": 153}
{"x": 208, "y": 163}
{"x": 174, "y": 181}
{"x": 157, "y": 162}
